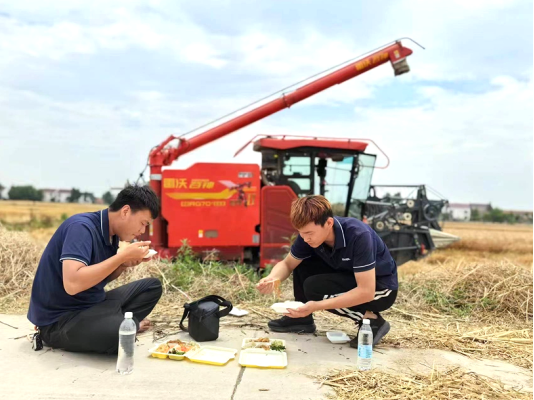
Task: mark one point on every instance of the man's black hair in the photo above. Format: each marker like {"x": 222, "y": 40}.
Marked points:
{"x": 138, "y": 198}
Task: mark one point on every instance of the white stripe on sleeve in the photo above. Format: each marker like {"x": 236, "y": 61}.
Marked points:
{"x": 363, "y": 266}
{"x": 72, "y": 258}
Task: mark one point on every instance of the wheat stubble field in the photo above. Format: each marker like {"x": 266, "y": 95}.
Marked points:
{"x": 473, "y": 298}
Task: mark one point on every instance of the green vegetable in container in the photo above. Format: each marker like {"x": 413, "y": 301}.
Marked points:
{"x": 277, "y": 345}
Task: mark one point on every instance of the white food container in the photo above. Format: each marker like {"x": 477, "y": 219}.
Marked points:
{"x": 281, "y": 308}
{"x": 257, "y": 358}
{"x": 337, "y": 337}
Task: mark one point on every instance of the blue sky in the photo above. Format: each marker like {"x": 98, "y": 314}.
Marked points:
{"x": 86, "y": 89}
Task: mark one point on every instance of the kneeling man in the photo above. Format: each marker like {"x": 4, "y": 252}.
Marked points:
{"x": 340, "y": 265}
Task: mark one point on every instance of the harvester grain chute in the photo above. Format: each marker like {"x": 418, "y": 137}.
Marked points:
{"x": 241, "y": 211}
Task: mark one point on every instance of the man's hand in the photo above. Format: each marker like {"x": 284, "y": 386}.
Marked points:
{"x": 136, "y": 251}
{"x": 302, "y": 311}
{"x": 266, "y": 285}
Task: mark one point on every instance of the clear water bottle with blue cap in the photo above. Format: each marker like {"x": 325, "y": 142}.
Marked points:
{"x": 365, "y": 346}
{"x": 127, "y": 333}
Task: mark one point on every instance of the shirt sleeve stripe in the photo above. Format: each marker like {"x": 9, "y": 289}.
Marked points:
{"x": 363, "y": 266}
{"x": 72, "y": 258}
{"x": 297, "y": 258}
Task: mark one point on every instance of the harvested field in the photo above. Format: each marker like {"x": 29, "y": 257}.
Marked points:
{"x": 473, "y": 301}
{"x": 23, "y": 213}
{"x": 448, "y": 384}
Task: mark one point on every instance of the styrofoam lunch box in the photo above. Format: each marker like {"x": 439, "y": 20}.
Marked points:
{"x": 257, "y": 344}
{"x": 212, "y": 355}
{"x": 337, "y": 337}
{"x": 281, "y": 308}
{"x": 203, "y": 354}
{"x": 176, "y": 357}
{"x": 151, "y": 253}
{"x": 258, "y": 358}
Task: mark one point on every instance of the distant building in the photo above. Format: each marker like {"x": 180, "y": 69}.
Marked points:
{"x": 523, "y": 217}
{"x": 56, "y": 195}
{"x": 62, "y": 196}
{"x": 481, "y": 208}
{"x": 459, "y": 211}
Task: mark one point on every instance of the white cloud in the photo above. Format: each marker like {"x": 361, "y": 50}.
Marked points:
{"x": 186, "y": 40}
{"x": 453, "y": 137}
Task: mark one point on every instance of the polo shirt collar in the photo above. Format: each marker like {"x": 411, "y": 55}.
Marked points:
{"x": 104, "y": 227}
{"x": 340, "y": 241}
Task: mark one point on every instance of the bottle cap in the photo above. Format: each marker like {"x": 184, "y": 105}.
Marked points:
{"x": 129, "y": 314}
{"x": 366, "y": 321}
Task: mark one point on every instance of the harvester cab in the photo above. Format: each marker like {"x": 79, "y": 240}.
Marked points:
{"x": 338, "y": 169}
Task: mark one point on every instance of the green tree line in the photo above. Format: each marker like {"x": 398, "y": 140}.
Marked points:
{"x": 29, "y": 192}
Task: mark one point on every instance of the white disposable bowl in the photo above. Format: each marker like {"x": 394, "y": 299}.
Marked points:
{"x": 337, "y": 337}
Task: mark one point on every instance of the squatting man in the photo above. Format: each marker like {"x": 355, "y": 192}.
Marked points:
{"x": 338, "y": 264}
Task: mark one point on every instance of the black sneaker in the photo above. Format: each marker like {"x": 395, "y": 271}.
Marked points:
{"x": 380, "y": 328}
{"x": 295, "y": 325}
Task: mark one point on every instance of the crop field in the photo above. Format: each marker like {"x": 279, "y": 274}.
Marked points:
{"x": 473, "y": 298}
{"x": 13, "y": 212}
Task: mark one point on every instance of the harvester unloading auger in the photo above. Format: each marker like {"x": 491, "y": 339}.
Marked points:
{"x": 241, "y": 211}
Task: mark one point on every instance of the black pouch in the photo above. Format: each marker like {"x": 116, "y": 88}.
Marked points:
{"x": 204, "y": 315}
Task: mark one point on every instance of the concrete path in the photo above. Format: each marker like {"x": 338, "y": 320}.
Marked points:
{"x": 55, "y": 374}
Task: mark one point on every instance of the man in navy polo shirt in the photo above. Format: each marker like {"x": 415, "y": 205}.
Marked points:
{"x": 68, "y": 303}
{"x": 340, "y": 265}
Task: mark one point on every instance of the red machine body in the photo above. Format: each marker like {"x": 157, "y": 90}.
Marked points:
{"x": 214, "y": 206}
{"x": 227, "y": 209}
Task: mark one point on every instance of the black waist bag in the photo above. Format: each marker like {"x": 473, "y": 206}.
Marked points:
{"x": 204, "y": 314}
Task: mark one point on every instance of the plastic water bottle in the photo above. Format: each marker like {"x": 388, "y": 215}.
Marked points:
{"x": 365, "y": 346}
{"x": 127, "y": 333}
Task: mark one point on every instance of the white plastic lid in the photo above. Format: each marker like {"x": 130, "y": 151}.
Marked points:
{"x": 366, "y": 321}
{"x": 129, "y": 314}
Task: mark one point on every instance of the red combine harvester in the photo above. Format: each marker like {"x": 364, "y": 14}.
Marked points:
{"x": 241, "y": 211}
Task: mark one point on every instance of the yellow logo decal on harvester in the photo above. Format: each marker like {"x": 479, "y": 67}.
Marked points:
{"x": 182, "y": 183}
{"x": 369, "y": 62}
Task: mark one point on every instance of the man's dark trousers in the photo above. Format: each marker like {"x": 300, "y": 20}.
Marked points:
{"x": 96, "y": 329}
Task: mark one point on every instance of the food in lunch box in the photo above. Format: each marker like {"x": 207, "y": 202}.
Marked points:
{"x": 179, "y": 347}
{"x": 162, "y": 348}
{"x": 264, "y": 344}
{"x": 177, "y": 351}
{"x": 277, "y": 345}
{"x": 176, "y": 346}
